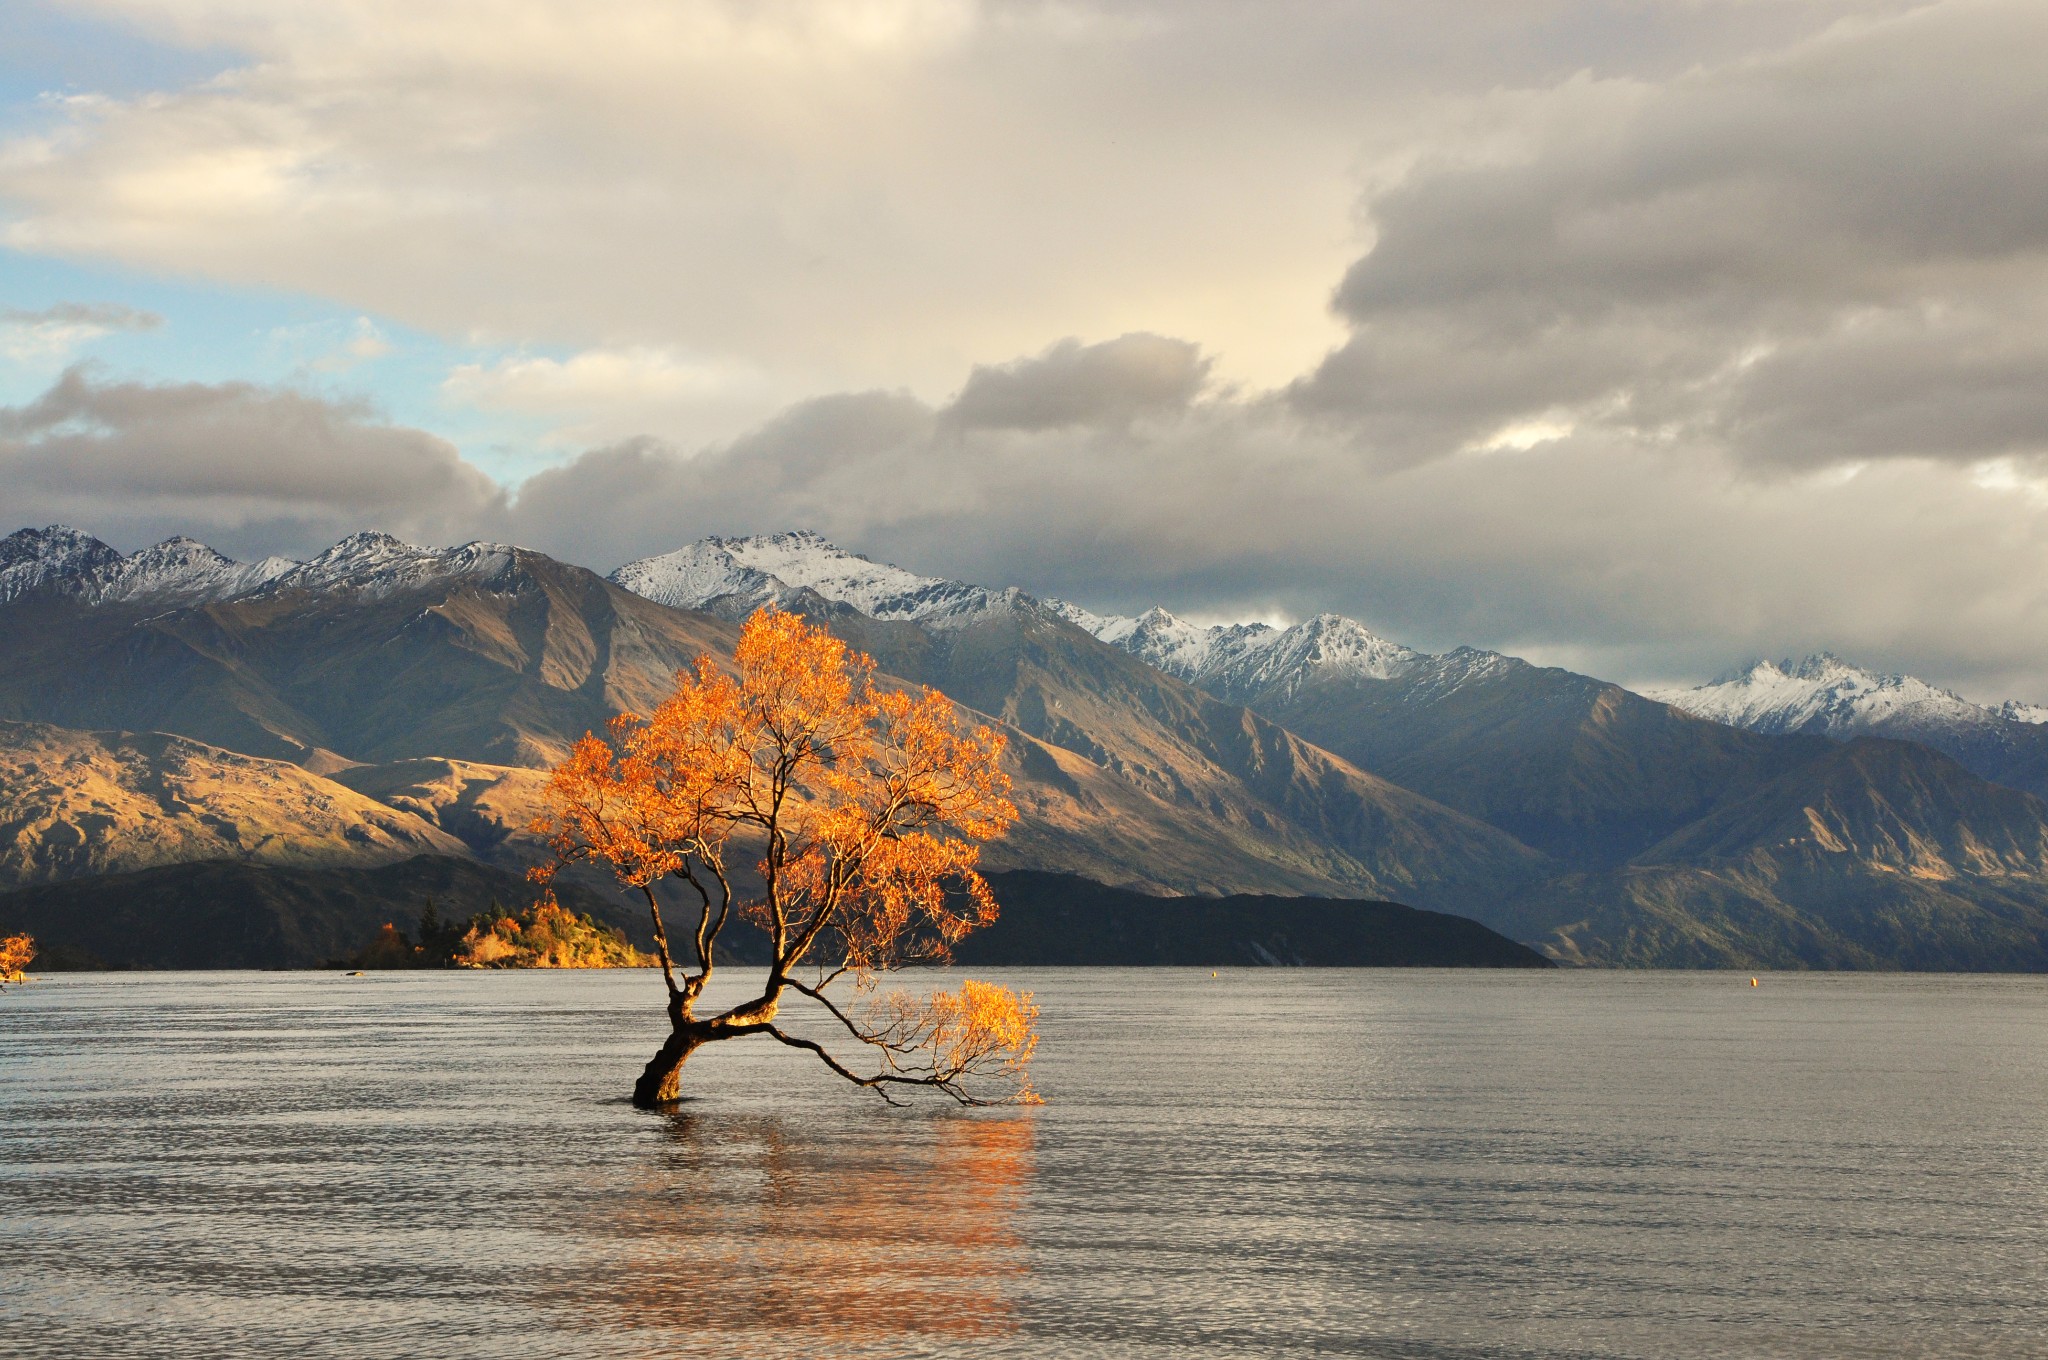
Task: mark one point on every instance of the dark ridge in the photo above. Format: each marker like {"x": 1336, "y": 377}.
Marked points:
{"x": 229, "y": 914}
{"x": 1058, "y": 919}
{"x": 224, "y": 914}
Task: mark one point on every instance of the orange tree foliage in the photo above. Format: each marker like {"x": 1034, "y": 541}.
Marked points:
{"x": 860, "y": 809}
{"x": 545, "y": 935}
{"x": 15, "y": 953}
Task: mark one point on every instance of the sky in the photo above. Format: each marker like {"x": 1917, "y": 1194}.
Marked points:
{"x": 1641, "y": 338}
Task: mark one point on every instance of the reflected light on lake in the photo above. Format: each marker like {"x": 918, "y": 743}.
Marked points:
{"x": 763, "y": 1235}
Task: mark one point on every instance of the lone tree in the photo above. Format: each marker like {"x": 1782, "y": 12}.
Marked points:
{"x": 861, "y": 807}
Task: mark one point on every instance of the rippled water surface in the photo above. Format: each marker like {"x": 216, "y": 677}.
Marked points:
{"x": 1273, "y": 1163}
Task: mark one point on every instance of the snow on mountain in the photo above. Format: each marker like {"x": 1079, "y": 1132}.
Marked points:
{"x": 1240, "y": 660}
{"x": 1825, "y": 695}
{"x": 374, "y": 565}
{"x": 186, "y": 570}
{"x": 182, "y": 572}
{"x": 738, "y": 575}
{"x": 1433, "y": 678}
{"x": 179, "y": 571}
{"x": 56, "y": 558}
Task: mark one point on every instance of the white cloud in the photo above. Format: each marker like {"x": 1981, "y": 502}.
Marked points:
{"x": 603, "y": 395}
{"x": 834, "y": 193}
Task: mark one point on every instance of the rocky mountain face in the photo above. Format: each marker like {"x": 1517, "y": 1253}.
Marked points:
{"x": 440, "y": 681}
{"x": 372, "y": 652}
{"x": 1826, "y": 696}
{"x": 1229, "y": 780}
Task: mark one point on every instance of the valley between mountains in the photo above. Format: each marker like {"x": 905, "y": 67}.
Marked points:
{"x": 384, "y": 705}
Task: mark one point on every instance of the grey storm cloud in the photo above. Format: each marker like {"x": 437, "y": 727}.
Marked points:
{"x": 1638, "y": 564}
{"x": 261, "y": 469}
{"x": 1831, "y": 254}
{"x": 1075, "y": 384}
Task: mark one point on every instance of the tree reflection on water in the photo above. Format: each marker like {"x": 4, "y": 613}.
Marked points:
{"x": 885, "y": 1235}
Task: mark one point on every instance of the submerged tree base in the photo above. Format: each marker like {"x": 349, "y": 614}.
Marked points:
{"x": 661, "y": 1081}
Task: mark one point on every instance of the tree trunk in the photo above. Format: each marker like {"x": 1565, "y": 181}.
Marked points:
{"x": 661, "y": 1080}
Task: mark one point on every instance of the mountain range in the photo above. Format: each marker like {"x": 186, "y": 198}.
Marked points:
{"x": 1826, "y": 696}
{"x": 1602, "y": 826}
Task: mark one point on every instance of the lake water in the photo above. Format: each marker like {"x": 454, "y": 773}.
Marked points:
{"x": 1265, "y": 1163}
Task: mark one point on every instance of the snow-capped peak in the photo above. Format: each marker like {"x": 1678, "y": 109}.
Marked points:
{"x": 59, "y": 558}
{"x": 181, "y": 571}
{"x": 1823, "y": 694}
{"x": 187, "y": 571}
{"x": 1242, "y": 660}
{"x": 376, "y": 564}
{"x": 734, "y": 576}
{"x": 737, "y": 575}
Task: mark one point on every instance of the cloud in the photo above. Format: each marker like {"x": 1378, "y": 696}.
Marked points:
{"x": 1631, "y": 562}
{"x": 51, "y": 333}
{"x": 840, "y": 195}
{"x": 1833, "y": 253}
{"x": 101, "y": 317}
{"x": 602, "y": 395}
{"x": 258, "y": 469}
{"x": 1075, "y": 384}
{"x": 1666, "y": 335}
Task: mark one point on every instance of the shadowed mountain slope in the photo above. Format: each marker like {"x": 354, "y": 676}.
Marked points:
{"x": 1879, "y": 854}
{"x": 1890, "y": 804}
{"x": 1572, "y": 765}
{"x": 373, "y": 652}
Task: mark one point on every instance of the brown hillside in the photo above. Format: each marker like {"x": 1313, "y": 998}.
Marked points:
{"x": 74, "y": 804}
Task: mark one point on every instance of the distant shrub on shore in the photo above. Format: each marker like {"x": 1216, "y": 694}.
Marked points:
{"x": 544, "y": 935}
{"x": 16, "y": 952}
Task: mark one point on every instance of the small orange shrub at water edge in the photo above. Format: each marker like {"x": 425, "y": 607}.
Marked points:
{"x": 545, "y": 935}
{"x": 15, "y": 953}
